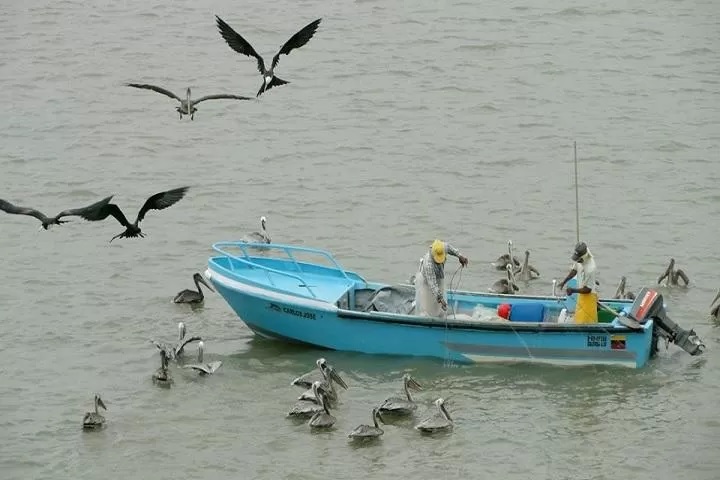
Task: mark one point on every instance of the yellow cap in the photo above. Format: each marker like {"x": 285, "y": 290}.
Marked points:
{"x": 438, "y": 251}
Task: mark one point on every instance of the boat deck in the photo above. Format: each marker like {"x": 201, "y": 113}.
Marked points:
{"x": 286, "y": 275}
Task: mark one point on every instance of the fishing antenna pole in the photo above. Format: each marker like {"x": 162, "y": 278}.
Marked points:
{"x": 577, "y": 198}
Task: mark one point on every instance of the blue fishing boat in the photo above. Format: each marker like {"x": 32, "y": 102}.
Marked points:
{"x": 322, "y": 305}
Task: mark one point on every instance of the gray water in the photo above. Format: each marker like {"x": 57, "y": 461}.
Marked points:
{"x": 403, "y": 121}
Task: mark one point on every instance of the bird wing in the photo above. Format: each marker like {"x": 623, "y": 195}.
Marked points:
{"x": 97, "y": 214}
{"x": 213, "y": 366}
{"x": 199, "y": 368}
{"x": 180, "y": 347}
{"x": 154, "y": 89}
{"x": 8, "y": 207}
{"x": 161, "y": 200}
{"x": 298, "y": 40}
{"x": 85, "y": 212}
{"x": 164, "y": 347}
{"x": 238, "y": 43}
{"x": 219, "y": 96}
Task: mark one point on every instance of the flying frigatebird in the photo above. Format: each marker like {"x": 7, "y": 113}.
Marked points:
{"x": 159, "y": 201}
{"x": 240, "y": 45}
{"x": 84, "y": 212}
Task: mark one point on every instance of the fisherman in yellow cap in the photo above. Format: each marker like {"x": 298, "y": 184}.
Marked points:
{"x": 584, "y": 268}
{"x": 430, "y": 294}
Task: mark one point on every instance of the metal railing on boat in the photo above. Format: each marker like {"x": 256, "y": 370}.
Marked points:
{"x": 287, "y": 249}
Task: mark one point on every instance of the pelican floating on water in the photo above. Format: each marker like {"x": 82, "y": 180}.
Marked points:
{"x": 174, "y": 351}
{"x": 258, "y": 237}
{"x": 94, "y": 419}
{"x": 327, "y": 385}
{"x": 506, "y": 285}
{"x": 504, "y": 260}
{"x": 192, "y": 296}
{"x": 527, "y": 272}
{"x": 306, "y": 379}
{"x": 323, "y": 418}
{"x": 402, "y": 406}
{"x": 672, "y": 276}
{"x": 438, "y": 422}
{"x": 182, "y": 341}
{"x": 204, "y": 368}
{"x": 363, "y": 432}
{"x": 303, "y": 408}
{"x": 621, "y": 293}
{"x": 240, "y": 45}
{"x": 187, "y": 106}
{"x": 715, "y": 309}
{"x": 162, "y": 375}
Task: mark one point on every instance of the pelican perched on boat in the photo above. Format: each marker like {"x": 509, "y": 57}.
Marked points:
{"x": 258, "y": 237}
{"x": 506, "y": 285}
{"x": 204, "y": 368}
{"x": 327, "y": 386}
{"x": 715, "y": 309}
{"x": 365, "y": 432}
{"x": 621, "y": 293}
{"x": 192, "y": 296}
{"x": 527, "y": 272}
{"x": 672, "y": 276}
{"x": 504, "y": 260}
{"x": 398, "y": 405}
{"x": 94, "y": 419}
{"x": 439, "y": 422}
{"x": 162, "y": 375}
{"x": 323, "y": 418}
{"x": 303, "y": 408}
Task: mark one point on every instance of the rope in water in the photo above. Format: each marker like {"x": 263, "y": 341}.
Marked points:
{"x": 450, "y": 288}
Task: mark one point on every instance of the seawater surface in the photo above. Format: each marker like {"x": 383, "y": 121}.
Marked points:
{"x": 403, "y": 122}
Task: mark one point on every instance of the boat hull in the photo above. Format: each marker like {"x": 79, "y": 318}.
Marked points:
{"x": 319, "y": 323}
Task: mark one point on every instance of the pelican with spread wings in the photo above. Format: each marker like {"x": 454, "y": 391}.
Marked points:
{"x": 187, "y": 105}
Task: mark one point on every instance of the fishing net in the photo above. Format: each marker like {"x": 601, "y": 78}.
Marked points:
{"x": 391, "y": 299}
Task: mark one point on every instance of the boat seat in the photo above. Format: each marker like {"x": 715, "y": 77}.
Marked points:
{"x": 527, "y": 312}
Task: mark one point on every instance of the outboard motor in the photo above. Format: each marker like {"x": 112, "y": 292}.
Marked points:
{"x": 649, "y": 304}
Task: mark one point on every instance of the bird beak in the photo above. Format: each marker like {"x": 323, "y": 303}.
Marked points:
{"x": 337, "y": 378}
{"x": 414, "y": 384}
{"x": 380, "y": 417}
{"x": 715, "y": 299}
{"x": 202, "y": 280}
{"x": 101, "y": 403}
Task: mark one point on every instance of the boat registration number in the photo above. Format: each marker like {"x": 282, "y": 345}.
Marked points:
{"x": 597, "y": 341}
{"x": 299, "y": 313}
{"x": 292, "y": 311}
